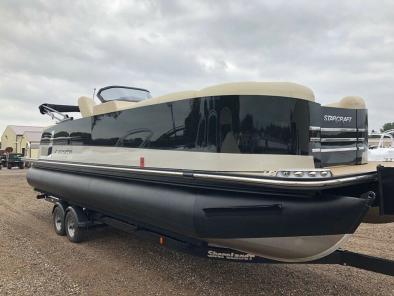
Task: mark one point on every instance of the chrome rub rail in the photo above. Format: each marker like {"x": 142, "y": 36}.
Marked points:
{"x": 269, "y": 182}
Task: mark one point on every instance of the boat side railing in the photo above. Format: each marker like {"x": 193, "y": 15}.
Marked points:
{"x": 389, "y": 134}
{"x": 268, "y": 181}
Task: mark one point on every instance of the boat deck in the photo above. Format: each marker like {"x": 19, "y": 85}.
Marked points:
{"x": 337, "y": 171}
{"x": 359, "y": 169}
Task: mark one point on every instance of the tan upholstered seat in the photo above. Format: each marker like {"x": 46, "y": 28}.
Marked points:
{"x": 279, "y": 89}
{"x": 350, "y": 102}
{"x": 179, "y": 95}
{"x": 112, "y": 106}
{"x": 171, "y": 97}
{"x": 86, "y": 106}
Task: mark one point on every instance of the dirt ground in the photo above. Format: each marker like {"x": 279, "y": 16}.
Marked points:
{"x": 35, "y": 261}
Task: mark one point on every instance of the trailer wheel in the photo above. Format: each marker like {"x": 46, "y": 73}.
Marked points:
{"x": 21, "y": 166}
{"x": 58, "y": 220}
{"x": 9, "y": 166}
{"x": 74, "y": 232}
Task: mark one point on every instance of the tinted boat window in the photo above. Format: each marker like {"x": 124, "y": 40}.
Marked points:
{"x": 273, "y": 125}
{"x": 212, "y": 131}
{"x": 226, "y": 124}
{"x": 201, "y": 134}
{"x": 61, "y": 138}
{"x": 135, "y": 139}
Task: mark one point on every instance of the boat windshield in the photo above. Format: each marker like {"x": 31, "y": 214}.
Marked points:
{"x": 123, "y": 93}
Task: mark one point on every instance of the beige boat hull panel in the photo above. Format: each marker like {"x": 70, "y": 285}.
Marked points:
{"x": 286, "y": 249}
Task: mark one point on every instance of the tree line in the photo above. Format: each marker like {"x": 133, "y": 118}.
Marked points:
{"x": 387, "y": 126}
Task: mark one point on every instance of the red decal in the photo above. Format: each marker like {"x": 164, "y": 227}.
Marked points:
{"x": 142, "y": 162}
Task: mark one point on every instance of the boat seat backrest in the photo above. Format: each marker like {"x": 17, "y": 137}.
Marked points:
{"x": 86, "y": 106}
{"x": 350, "y": 102}
{"x": 177, "y": 96}
{"x": 111, "y": 106}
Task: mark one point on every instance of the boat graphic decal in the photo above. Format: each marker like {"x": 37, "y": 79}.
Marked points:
{"x": 230, "y": 256}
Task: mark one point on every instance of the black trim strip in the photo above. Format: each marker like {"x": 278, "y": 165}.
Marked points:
{"x": 243, "y": 210}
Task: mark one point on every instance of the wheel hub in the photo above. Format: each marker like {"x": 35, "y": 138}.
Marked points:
{"x": 71, "y": 228}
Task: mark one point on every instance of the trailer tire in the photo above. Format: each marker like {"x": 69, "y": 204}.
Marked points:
{"x": 9, "y": 166}
{"x": 58, "y": 220}
{"x": 74, "y": 233}
{"x": 21, "y": 166}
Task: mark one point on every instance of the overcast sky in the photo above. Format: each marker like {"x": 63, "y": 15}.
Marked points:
{"x": 55, "y": 51}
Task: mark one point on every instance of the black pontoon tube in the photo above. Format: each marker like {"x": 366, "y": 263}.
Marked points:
{"x": 204, "y": 213}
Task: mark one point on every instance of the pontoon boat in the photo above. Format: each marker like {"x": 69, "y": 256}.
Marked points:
{"x": 257, "y": 167}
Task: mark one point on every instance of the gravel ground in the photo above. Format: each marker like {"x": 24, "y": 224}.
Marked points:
{"x": 35, "y": 261}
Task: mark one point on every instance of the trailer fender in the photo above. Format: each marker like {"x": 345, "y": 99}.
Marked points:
{"x": 83, "y": 220}
{"x": 62, "y": 205}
